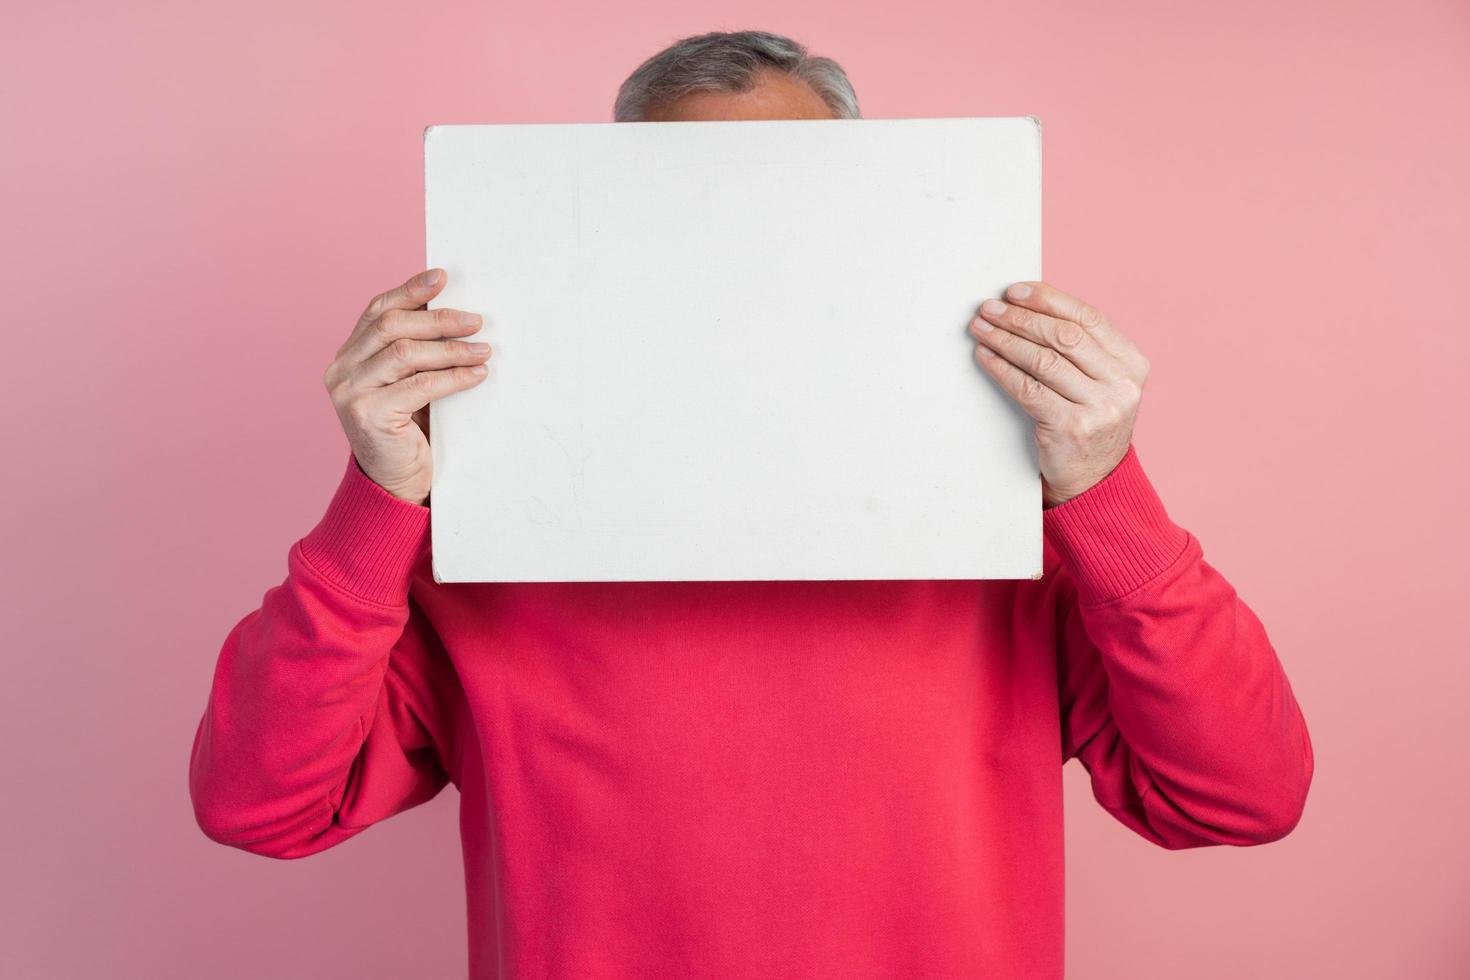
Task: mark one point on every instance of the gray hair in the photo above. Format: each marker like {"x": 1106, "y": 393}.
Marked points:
{"x": 729, "y": 62}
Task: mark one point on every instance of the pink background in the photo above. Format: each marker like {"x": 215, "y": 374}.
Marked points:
{"x": 1271, "y": 199}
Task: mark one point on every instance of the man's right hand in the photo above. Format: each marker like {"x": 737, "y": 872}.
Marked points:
{"x": 399, "y": 358}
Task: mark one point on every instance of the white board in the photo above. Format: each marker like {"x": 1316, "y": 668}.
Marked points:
{"x": 733, "y": 350}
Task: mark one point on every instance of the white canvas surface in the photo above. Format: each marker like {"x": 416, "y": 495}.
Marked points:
{"x": 733, "y": 350}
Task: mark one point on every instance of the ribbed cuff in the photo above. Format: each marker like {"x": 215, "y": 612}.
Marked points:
{"x": 368, "y": 542}
{"x": 1115, "y": 535}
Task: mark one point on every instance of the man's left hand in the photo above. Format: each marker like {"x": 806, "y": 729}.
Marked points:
{"x": 1073, "y": 372}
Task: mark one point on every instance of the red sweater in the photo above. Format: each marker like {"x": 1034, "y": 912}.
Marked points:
{"x": 754, "y": 779}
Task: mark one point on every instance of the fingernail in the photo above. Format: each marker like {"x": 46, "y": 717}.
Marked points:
{"x": 479, "y": 348}
{"x": 469, "y": 319}
{"x": 478, "y": 369}
{"x": 431, "y": 278}
{"x": 993, "y": 306}
{"x": 983, "y": 324}
{"x": 1019, "y": 291}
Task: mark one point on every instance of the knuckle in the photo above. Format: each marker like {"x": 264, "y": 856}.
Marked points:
{"x": 1089, "y": 317}
{"x": 358, "y": 412}
{"x": 338, "y": 388}
{"x": 1069, "y": 334}
{"x": 1022, "y": 320}
{"x": 1099, "y": 421}
{"x": 1031, "y": 389}
{"x": 1047, "y": 361}
{"x": 422, "y": 382}
{"x": 401, "y": 350}
{"x": 379, "y": 304}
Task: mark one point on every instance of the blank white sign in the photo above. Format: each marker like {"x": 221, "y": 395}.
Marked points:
{"x": 733, "y": 350}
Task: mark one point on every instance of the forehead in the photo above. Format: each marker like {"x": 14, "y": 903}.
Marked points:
{"x": 775, "y": 95}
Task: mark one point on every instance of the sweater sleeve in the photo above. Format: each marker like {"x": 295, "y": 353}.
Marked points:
{"x": 333, "y": 705}
{"x": 1171, "y": 694}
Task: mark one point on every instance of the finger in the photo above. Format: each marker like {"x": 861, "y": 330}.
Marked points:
{"x": 410, "y": 295}
{"x": 406, "y": 324}
{"x": 1040, "y": 402}
{"x": 1043, "y": 363}
{"x": 413, "y": 294}
{"x": 417, "y": 390}
{"x": 1064, "y": 336}
{"x": 1046, "y": 298}
{"x": 404, "y": 357}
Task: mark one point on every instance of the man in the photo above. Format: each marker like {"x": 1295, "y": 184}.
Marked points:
{"x": 753, "y": 779}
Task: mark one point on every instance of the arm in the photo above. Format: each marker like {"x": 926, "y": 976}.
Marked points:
{"x": 1171, "y": 694}
{"x": 333, "y": 704}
